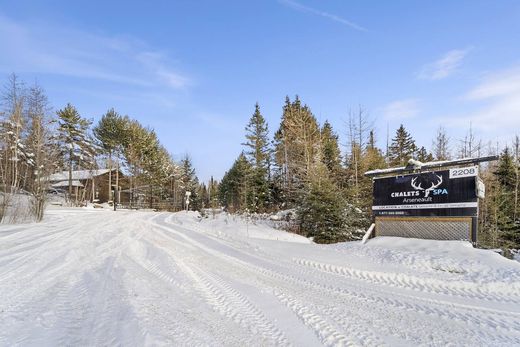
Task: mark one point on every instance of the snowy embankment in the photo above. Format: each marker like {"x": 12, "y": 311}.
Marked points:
{"x": 98, "y": 277}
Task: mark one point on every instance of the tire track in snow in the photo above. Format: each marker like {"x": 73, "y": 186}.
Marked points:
{"x": 473, "y": 324}
{"x": 90, "y": 310}
{"x": 233, "y": 305}
{"x": 55, "y": 280}
{"x": 327, "y": 332}
{"x": 322, "y": 329}
{"x": 477, "y": 317}
{"x": 444, "y": 310}
{"x": 55, "y": 245}
{"x": 466, "y": 289}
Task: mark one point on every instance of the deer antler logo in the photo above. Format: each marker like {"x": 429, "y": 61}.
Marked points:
{"x": 427, "y": 190}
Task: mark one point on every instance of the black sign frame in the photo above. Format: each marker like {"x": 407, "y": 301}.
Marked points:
{"x": 425, "y": 194}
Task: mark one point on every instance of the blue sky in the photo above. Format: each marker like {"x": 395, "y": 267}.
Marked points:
{"x": 193, "y": 70}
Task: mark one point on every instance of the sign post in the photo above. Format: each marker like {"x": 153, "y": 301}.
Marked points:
{"x": 187, "y": 200}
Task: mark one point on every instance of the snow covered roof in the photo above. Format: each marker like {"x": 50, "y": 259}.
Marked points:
{"x": 61, "y": 184}
{"x": 78, "y": 175}
{"x": 417, "y": 165}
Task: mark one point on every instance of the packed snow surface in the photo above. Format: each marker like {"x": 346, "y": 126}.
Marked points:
{"x": 97, "y": 277}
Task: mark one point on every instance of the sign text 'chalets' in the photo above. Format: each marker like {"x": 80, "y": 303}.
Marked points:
{"x": 434, "y": 191}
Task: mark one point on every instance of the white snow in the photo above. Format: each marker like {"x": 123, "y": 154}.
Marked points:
{"x": 97, "y": 277}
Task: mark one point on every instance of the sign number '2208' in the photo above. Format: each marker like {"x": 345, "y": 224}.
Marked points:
{"x": 464, "y": 172}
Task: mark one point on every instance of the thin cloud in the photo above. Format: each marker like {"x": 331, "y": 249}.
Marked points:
{"x": 155, "y": 63}
{"x": 44, "y": 48}
{"x": 401, "y": 109}
{"x": 495, "y": 101}
{"x": 445, "y": 66}
{"x": 302, "y": 8}
{"x": 497, "y": 85}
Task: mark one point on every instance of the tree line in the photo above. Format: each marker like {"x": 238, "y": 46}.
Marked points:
{"x": 35, "y": 142}
{"x": 304, "y": 168}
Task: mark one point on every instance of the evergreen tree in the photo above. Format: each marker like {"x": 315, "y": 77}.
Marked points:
{"x": 258, "y": 154}
{"x": 190, "y": 183}
{"x": 424, "y": 156}
{"x": 257, "y": 140}
{"x": 322, "y": 210}
{"x": 372, "y": 159}
{"x": 110, "y": 132}
{"x": 202, "y": 193}
{"x": 74, "y": 140}
{"x": 508, "y": 227}
{"x": 214, "y": 187}
{"x": 235, "y": 188}
{"x": 402, "y": 147}
{"x": 297, "y": 147}
{"x": 330, "y": 153}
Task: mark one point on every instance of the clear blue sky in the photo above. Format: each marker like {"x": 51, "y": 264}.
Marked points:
{"x": 193, "y": 70}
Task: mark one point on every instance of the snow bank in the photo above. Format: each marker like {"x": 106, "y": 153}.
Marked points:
{"x": 237, "y": 227}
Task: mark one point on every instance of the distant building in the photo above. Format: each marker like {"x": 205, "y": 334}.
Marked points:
{"x": 87, "y": 185}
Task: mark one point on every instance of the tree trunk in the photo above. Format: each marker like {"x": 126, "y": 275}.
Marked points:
{"x": 109, "y": 175}
{"x": 70, "y": 174}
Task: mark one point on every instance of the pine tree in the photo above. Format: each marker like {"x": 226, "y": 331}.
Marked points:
{"x": 189, "y": 183}
{"x": 402, "y": 147}
{"x": 258, "y": 154}
{"x": 509, "y": 229}
{"x": 322, "y": 210}
{"x": 330, "y": 153}
{"x": 110, "y": 132}
{"x": 235, "y": 188}
{"x": 148, "y": 161}
{"x": 213, "y": 192}
{"x": 297, "y": 145}
{"x": 372, "y": 159}
{"x": 202, "y": 192}
{"x": 75, "y": 144}
{"x": 423, "y": 155}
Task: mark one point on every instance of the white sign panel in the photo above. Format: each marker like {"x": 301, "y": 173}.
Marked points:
{"x": 471, "y": 171}
{"x": 481, "y": 189}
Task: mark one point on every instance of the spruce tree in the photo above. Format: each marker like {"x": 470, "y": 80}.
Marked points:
{"x": 258, "y": 153}
{"x": 509, "y": 228}
{"x": 423, "y": 155}
{"x": 402, "y": 147}
{"x": 213, "y": 190}
{"x": 330, "y": 152}
{"x": 321, "y": 212}
{"x": 235, "y": 188}
{"x": 190, "y": 183}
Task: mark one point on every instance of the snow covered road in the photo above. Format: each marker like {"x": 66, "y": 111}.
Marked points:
{"x": 90, "y": 277}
